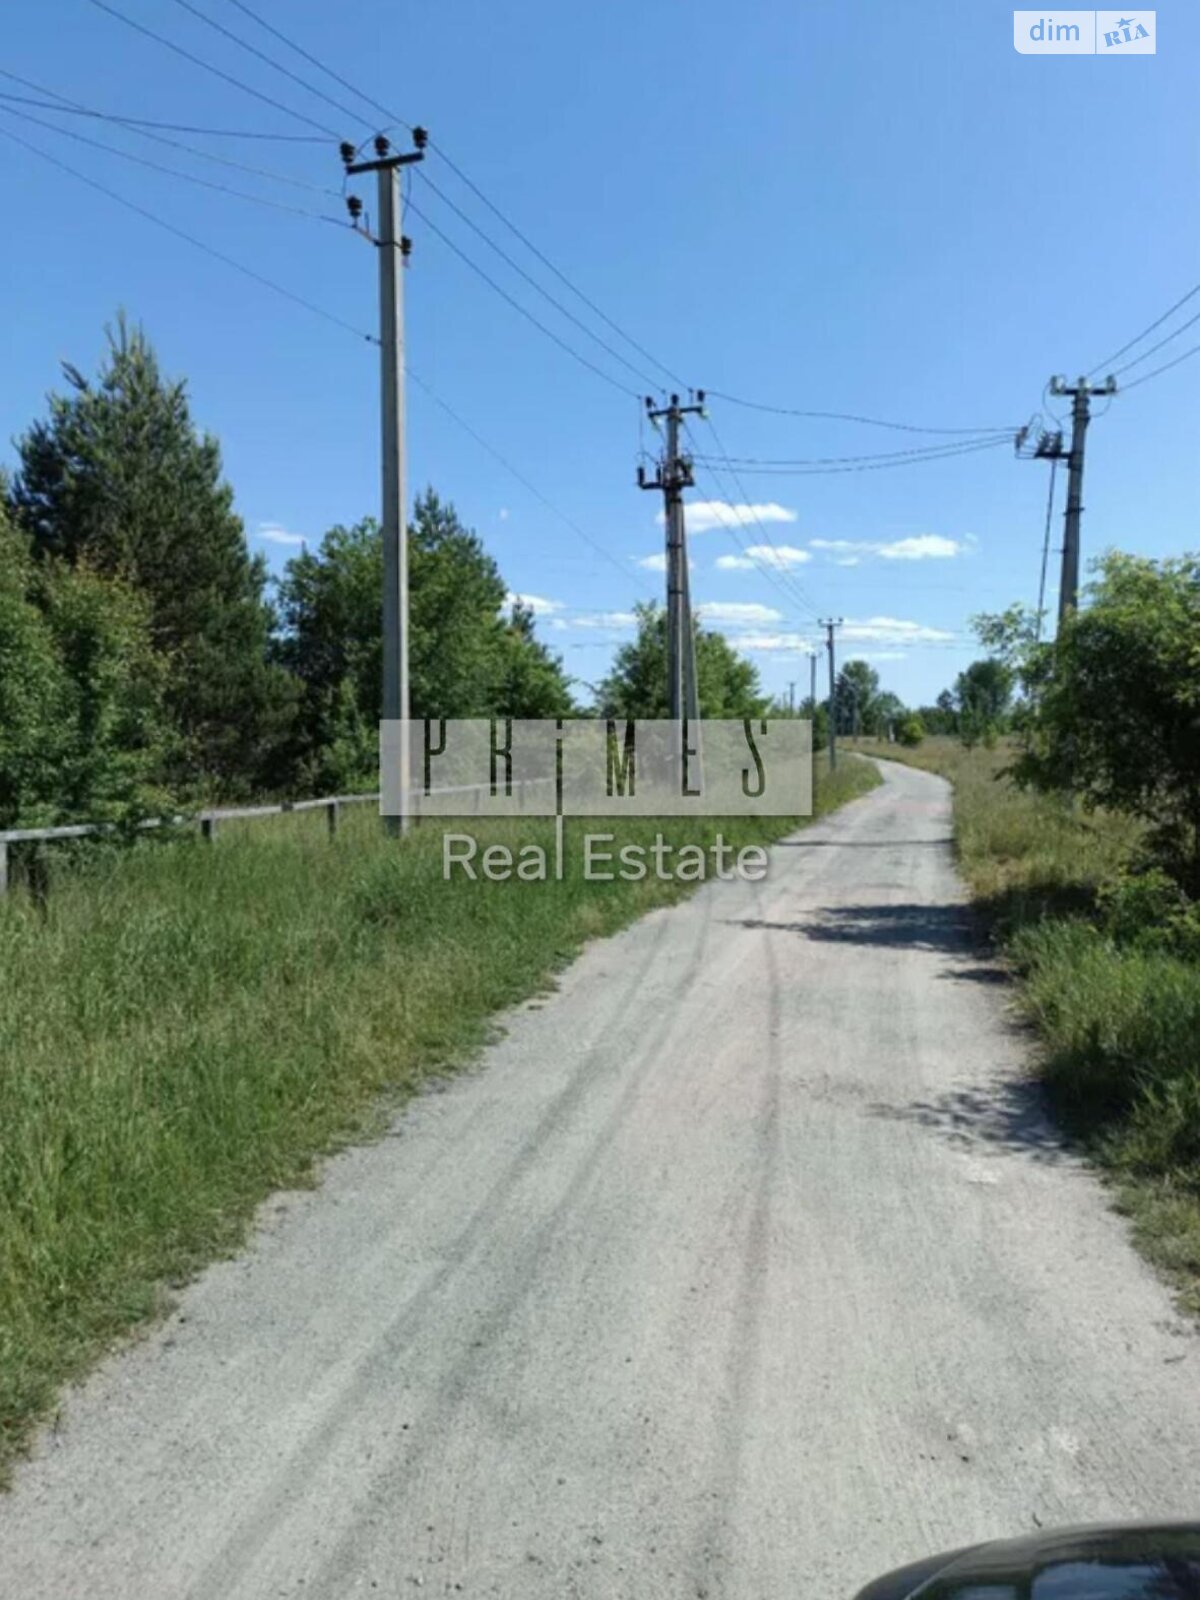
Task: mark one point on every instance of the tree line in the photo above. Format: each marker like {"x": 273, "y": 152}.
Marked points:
{"x": 148, "y": 663}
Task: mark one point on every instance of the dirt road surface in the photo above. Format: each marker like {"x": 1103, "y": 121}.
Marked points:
{"x": 744, "y": 1266}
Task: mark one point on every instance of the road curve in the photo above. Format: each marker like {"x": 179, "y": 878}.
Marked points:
{"x": 745, "y": 1266}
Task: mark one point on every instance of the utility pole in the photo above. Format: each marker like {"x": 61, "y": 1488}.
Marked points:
{"x": 812, "y": 681}
{"x": 673, "y": 476}
{"x": 393, "y": 250}
{"x": 792, "y": 698}
{"x": 1081, "y": 393}
{"x": 829, "y": 624}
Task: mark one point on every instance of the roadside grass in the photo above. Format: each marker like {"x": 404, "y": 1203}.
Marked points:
{"x": 186, "y": 1027}
{"x": 1118, "y": 1017}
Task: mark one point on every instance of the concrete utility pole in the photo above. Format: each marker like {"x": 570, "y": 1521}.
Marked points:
{"x": 673, "y": 476}
{"x": 1080, "y": 392}
{"x": 792, "y": 698}
{"x": 812, "y": 681}
{"x": 393, "y": 250}
{"x": 829, "y": 624}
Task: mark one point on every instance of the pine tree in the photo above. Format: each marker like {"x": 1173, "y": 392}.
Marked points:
{"x": 118, "y": 480}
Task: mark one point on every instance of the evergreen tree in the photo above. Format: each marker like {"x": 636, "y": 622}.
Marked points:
{"x": 83, "y": 734}
{"x": 117, "y": 479}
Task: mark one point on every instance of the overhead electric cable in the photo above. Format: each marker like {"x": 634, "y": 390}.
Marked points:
{"x": 198, "y": 61}
{"x": 160, "y": 222}
{"x": 1157, "y": 323}
{"x": 562, "y": 516}
{"x": 949, "y": 453}
{"x": 517, "y": 306}
{"x": 174, "y": 172}
{"x": 532, "y": 281}
{"x": 844, "y": 416}
{"x": 64, "y": 107}
{"x": 1166, "y": 367}
{"x": 261, "y": 55}
{"x": 469, "y": 182}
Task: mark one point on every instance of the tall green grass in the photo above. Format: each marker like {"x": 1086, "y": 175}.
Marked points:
{"x": 185, "y": 1027}
{"x": 1117, "y": 1011}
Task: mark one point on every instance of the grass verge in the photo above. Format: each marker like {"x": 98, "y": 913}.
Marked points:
{"x": 1119, "y": 1019}
{"x": 187, "y": 1027}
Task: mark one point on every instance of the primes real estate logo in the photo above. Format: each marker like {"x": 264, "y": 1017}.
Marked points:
{"x": 1085, "y": 33}
{"x": 621, "y": 769}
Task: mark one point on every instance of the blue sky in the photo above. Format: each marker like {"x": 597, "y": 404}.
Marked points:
{"x": 876, "y": 208}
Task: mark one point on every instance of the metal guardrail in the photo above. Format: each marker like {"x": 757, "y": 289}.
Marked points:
{"x": 210, "y": 819}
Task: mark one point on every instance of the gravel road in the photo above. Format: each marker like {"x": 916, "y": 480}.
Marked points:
{"x": 745, "y": 1266}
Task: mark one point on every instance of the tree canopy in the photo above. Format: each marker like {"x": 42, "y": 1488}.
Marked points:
{"x": 118, "y": 480}
{"x": 728, "y": 684}
{"x": 1118, "y": 703}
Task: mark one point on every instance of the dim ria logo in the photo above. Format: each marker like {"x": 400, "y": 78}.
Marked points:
{"x": 1084, "y": 33}
{"x": 617, "y": 768}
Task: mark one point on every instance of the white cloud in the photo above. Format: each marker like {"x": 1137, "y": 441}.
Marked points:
{"x": 848, "y": 561}
{"x": 733, "y": 611}
{"x": 503, "y": 513}
{"x": 894, "y": 630}
{"x": 702, "y": 515}
{"x": 794, "y": 643}
{"x": 779, "y": 556}
{"x": 558, "y": 624}
{"x": 606, "y": 619}
{"x": 276, "y": 533}
{"x": 924, "y": 547}
{"x": 536, "y": 603}
{"x": 881, "y": 655}
{"x": 918, "y": 547}
{"x": 658, "y": 563}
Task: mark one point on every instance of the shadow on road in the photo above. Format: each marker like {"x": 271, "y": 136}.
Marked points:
{"x": 1002, "y": 1118}
{"x": 949, "y": 928}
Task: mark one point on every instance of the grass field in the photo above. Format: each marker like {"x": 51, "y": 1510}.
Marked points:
{"x": 187, "y": 1027}
{"x": 1119, "y": 1019}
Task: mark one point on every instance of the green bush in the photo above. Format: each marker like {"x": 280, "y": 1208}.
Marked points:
{"x": 1149, "y": 911}
{"x": 910, "y": 730}
{"x": 1120, "y": 1026}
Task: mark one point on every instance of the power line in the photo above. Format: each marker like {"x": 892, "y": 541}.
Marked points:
{"x": 160, "y": 222}
{"x": 198, "y": 61}
{"x": 776, "y": 572}
{"x": 173, "y": 172}
{"x": 550, "y": 266}
{"x": 517, "y": 306}
{"x": 532, "y": 281}
{"x": 474, "y": 188}
{"x": 562, "y": 516}
{"x": 947, "y": 454}
{"x": 321, "y": 65}
{"x": 794, "y": 583}
{"x": 271, "y": 62}
{"x": 933, "y": 450}
{"x": 1157, "y": 323}
{"x": 1146, "y": 354}
{"x": 66, "y": 107}
{"x": 1166, "y": 367}
{"x": 843, "y": 416}
{"x": 170, "y": 127}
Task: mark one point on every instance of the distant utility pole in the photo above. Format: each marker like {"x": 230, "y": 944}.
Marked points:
{"x": 673, "y": 476}
{"x": 393, "y": 250}
{"x": 792, "y": 698}
{"x": 812, "y": 681}
{"x": 829, "y": 624}
{"x": 1081, "y": 393}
